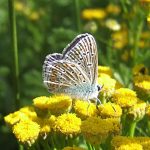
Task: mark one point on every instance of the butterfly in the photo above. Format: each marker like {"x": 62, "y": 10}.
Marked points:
{"x": 75, "y": 71}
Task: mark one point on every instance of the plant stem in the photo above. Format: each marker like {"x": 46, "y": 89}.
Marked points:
{"x": 77, "y": 7}
{"x": 12, "y": 19}
{"x": 132, "y": 128}
{"x": 136, "y": 42}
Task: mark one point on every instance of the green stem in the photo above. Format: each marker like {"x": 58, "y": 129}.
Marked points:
{"x": 21, "y": 147}
{"x": 77, "y": 7}
{"x": 136, "y": 41}
{"x": 132, "y": 128}
{"x": 13, "y": 30}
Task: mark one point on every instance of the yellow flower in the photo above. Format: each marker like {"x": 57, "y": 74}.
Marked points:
{"x": 131, "y": 146}
{"x": 124, "y": 97}
{"x": 26, "y": 131}
{"x": 68, "y": 124}
{"x": 90, "y": 14}
{"x": 104, "y": 69}
{"x": 96, "y": 130}
{"x": 108, "y": 84}
{"x": 29, "y": 111}
{"x": 113, "y": 9}
{"x": 120, "y": 39}
{"x": 57, "y": 104}
{"x": 142, "y": 86}
{"x": 112, "y": 24}
{"x": 19, "y": 6}
{"x": 109, "y": 110}
{"x": 73, "y": 148}
{"x": 83, "y": 109}
{"x": 118, "y": 141}
{"x": 137, "y": 111}
{"x": 34, "y": 16}
{"x": 139, "y": 69}
{"x": 15, "y": 117}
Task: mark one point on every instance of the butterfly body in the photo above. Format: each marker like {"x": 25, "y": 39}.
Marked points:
{"x": 74, "y": 72}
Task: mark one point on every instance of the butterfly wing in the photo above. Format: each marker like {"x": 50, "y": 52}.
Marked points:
{"x": 83, "y": 51}
{"x": 59, "y": 75}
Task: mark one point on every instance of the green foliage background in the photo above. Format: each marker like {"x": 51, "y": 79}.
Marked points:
{"x": 58, "y": 23}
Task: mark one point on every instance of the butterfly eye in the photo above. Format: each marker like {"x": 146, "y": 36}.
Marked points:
{"x": 98, "y": 88}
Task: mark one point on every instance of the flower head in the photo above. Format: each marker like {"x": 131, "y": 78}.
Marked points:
{"x": 121, "y": 141}
{"x": 112, "y": 24}
{"x": 124, "y": 97}
{"x": 90, "y": 14}
{"x": 26, "y": 131}
{"x": 57, "y": 104}
{"x": 15, "y": 117}
{"x": 104, "y": 69}
{"x": 109, "y": 110}
{"x": 137, "y": 111}
{"x": 113, "y": 9}
{"x": 67, "y": 124}
{"x": 142, "y": 86}
{"x": 108, "y": 85}
{"x": 100, "y": 129}
{"x": 83, "y": 109}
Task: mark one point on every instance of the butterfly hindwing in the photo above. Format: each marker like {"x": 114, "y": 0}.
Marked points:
{"x": 60, "y": 75}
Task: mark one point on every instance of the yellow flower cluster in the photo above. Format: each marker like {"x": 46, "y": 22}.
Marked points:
{"x": 109, "y": 110}
{"x": 68, "y": 124}
{"x": 124, "y": 97}
{"x": 136, "y": 143}
{"x": 139, "y": 69}
{"x": 90, "y": 14}
{"x": 96, "y": 130}
{"x": 56, "y": 104}
{"x": 83, "y": 109}
{"x": 142, "y": 86}
{"x": 26, "y": 131}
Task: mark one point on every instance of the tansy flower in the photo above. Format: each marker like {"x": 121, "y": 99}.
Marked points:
{"x": 67, "y": 124}
{"x": 57, "y": 104}
{"x": 73, "y": 148}
{"x": 19, "y": 6}
{"x": 113, "y": 9}
{"x": 15, "y": 117}
{"x": 137, "y": 111}
{"x": 29, "y": 111}
{"x": 108, "y": 84}
{"x": 34, "y": 16}
{"x": 142, "y": 86}
{"x": 83, "y": 109}
{"x": 118, "y": 141}
{"x": 124, "y": 97}
{"x": 96, "y": 130}
{"x": 131, "y": 146}
{"x": 90, "y": 14}
{"x": 139, "y": 69}
{"x": 26, "y": 131}
{"x": 104, "y": 69}
{"x": 109, "y": 110}
{"x": 112, "y": 24}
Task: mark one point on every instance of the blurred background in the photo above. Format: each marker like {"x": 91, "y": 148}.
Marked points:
{"x": 121, "y": 29}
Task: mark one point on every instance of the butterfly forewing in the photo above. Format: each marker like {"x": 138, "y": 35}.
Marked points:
{"x": 83, "y": 51}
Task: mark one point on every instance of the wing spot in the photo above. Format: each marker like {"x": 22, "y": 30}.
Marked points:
{"x": 84, "y": 81}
